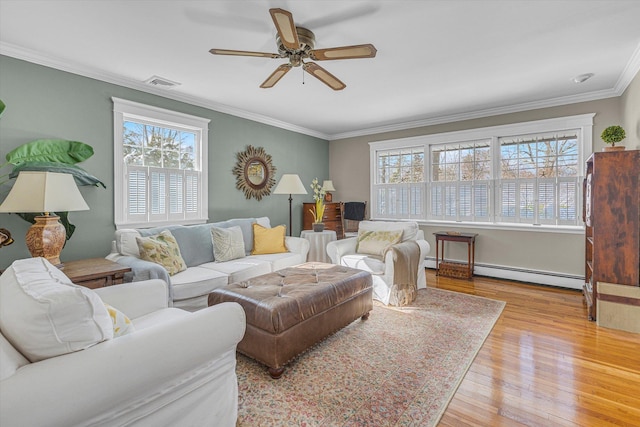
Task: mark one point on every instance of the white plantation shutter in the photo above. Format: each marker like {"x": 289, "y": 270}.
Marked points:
{"x": 191, "y": 193}
{"x": 137, "y": 194}
{"x": 522, "y": 173}
{"x": 481, "y": 192}
{"x": 160, "y": 165}
{"x": 568, "y": 200}
{"x": 176, "y": 192}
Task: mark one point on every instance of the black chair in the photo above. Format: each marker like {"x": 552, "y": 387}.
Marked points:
{"x": 352, "y": 213}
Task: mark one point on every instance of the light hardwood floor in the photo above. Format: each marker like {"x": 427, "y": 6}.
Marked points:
{"x": 544, "y": 363}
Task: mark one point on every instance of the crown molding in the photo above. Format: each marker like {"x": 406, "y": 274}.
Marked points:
{"x": 627, "y": 75}
{"x": 478, "y": 114}
{"x": 629, "y": 72}
{"x": 96, "y": 74}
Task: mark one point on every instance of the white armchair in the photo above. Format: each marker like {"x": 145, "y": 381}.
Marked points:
{"x": 175, "y": 369}
{"x": 343, "y": 252}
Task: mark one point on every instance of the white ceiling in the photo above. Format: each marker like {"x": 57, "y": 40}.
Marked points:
{"x": 437, "y": 61}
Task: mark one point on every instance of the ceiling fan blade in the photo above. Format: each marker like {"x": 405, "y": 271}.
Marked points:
{"x": 243, "y": 53}
{"x": 276, "y": 76}
{"x": 344, "y": 52}
{"x": 323, "y": 75}
{"x": 283, "y": 21}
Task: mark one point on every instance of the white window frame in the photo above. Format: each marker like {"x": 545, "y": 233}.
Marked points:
{"x": 125, "y": 110}
{"x": 582, "y": 123}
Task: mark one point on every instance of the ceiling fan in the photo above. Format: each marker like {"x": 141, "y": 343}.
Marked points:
{"x": 297, "y": 44}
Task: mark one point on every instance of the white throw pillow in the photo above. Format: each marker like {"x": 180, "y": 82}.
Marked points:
{"x": 376, "y": 242}
{"x": 228, "y": 243}
{"x": 43, "y": 314}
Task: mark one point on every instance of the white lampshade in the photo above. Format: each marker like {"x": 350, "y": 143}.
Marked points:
{"x": 290, "y": 183}
{"x": 39, "y": 191}
{"x": 327, "y": 185}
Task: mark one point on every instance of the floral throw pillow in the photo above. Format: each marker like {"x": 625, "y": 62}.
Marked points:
{"x": 162, "y": 249}
{"x": 121, "y": 323}
{"x": 228, "y": 243}
{"x": 376, "y": 242}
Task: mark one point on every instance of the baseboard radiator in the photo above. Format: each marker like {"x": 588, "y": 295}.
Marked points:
{"x": 521, "y": 275}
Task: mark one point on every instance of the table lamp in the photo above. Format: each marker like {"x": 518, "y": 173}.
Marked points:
{"x": 327, "y": 186}
{"x": 290, "y": 183}
{"x": 44, "y": 192}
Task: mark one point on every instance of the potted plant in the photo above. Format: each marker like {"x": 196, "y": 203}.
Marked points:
{"x": 612, "y": 135}
{"x": 318, "y": 209}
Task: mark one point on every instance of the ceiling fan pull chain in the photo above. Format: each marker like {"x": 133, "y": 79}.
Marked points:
{"x": 302, "y": 68}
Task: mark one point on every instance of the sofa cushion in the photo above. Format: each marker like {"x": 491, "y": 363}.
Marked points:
{"x": 126, "y": 243}
{"x": 376, "y": 242}
{"x": 194, "y": 241}
{"x": 279, "y": 261}
{"x": 228, "y": 243}
{"x": 246, "y": 224}
{"x": 372, "y": 264}
{"x": 196, "y": 281}
{"x": 10, "y": 359}
{"x": 43, "y": 314}
{"x": 162, "y": 249}
{"x": 240, "y": 269}
{"x": 268, "y": 240}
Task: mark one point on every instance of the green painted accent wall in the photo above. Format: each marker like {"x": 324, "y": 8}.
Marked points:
{"x": 47, "y": 103}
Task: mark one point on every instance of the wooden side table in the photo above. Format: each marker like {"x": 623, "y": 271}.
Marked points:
{"x": 95, "y": 272}
{"x": 455, "y": 269}
{"x": 318, "y": 242}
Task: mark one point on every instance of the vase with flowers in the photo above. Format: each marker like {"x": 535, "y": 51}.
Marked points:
{"x": 318, "y": 210}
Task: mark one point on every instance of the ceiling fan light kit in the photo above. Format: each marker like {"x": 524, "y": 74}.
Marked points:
{"x": 297, "y": 45}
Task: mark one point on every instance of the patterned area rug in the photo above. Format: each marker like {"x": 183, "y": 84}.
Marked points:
{"x": 401, "y": 367}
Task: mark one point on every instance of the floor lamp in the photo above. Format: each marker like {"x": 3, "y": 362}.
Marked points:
{"x": 290, "y": 183}
{"x": 44, "y": 192}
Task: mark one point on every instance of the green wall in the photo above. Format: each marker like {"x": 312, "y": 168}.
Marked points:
{"x": 46, "y": 103}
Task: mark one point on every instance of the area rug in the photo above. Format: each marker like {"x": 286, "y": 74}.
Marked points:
{"x": 401, "y": 367}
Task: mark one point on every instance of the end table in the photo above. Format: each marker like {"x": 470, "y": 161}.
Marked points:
{"x": 318, "y": 241}
{"x": 455, "y": 269}
{"x": 95, "y": 272}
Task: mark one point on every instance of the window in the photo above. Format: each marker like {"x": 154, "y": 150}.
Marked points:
{"x": 160, "y": 166}
{"x": 539, "y": 179}
{"x": 525, "y": 173}
{"x": 399, "y": 178}
{"x": 460, "y": 181}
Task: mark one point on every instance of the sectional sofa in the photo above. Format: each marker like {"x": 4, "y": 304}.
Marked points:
{"x": 190, "y": 288}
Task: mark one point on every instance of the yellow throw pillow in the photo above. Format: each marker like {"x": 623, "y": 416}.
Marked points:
{"x": 162, "y": 249}
{"x": 268, "y": 240}
{"x": 121, "y": 323}
{"x": 376, "y": 242}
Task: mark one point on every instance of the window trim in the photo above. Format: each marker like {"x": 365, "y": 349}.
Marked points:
{"x": 129, "y": 110}
{"x": 582, "y": 122}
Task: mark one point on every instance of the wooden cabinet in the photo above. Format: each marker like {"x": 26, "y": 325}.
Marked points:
{"x": 332, "y": 218}
{"x": 611, "y": 212}
{"x": 95, "y": 272}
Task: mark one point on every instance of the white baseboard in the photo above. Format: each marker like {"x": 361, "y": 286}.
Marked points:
{"x": 522, "y": 275}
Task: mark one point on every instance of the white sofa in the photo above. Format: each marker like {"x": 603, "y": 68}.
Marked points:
{"x": 175, "y": 369}
{"x": 344, "y": 252}
{"x": 189, "y": 289}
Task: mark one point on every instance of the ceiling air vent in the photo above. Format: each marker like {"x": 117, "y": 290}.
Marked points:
{"x": 161, "y": 82}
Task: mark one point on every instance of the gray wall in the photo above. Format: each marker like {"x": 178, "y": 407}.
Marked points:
{"x": 540, "y": 251}
{"x": 46, "y": 103}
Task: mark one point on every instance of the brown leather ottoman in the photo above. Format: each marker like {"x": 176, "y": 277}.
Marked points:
{"x": 290, "y": 310}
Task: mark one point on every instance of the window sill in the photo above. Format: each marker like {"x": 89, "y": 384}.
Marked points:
{"x": 563, "y": 229}
{"x": 160, "y": 223}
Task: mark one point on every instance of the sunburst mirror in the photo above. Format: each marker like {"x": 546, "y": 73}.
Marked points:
{"x": 255, "y": 174}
